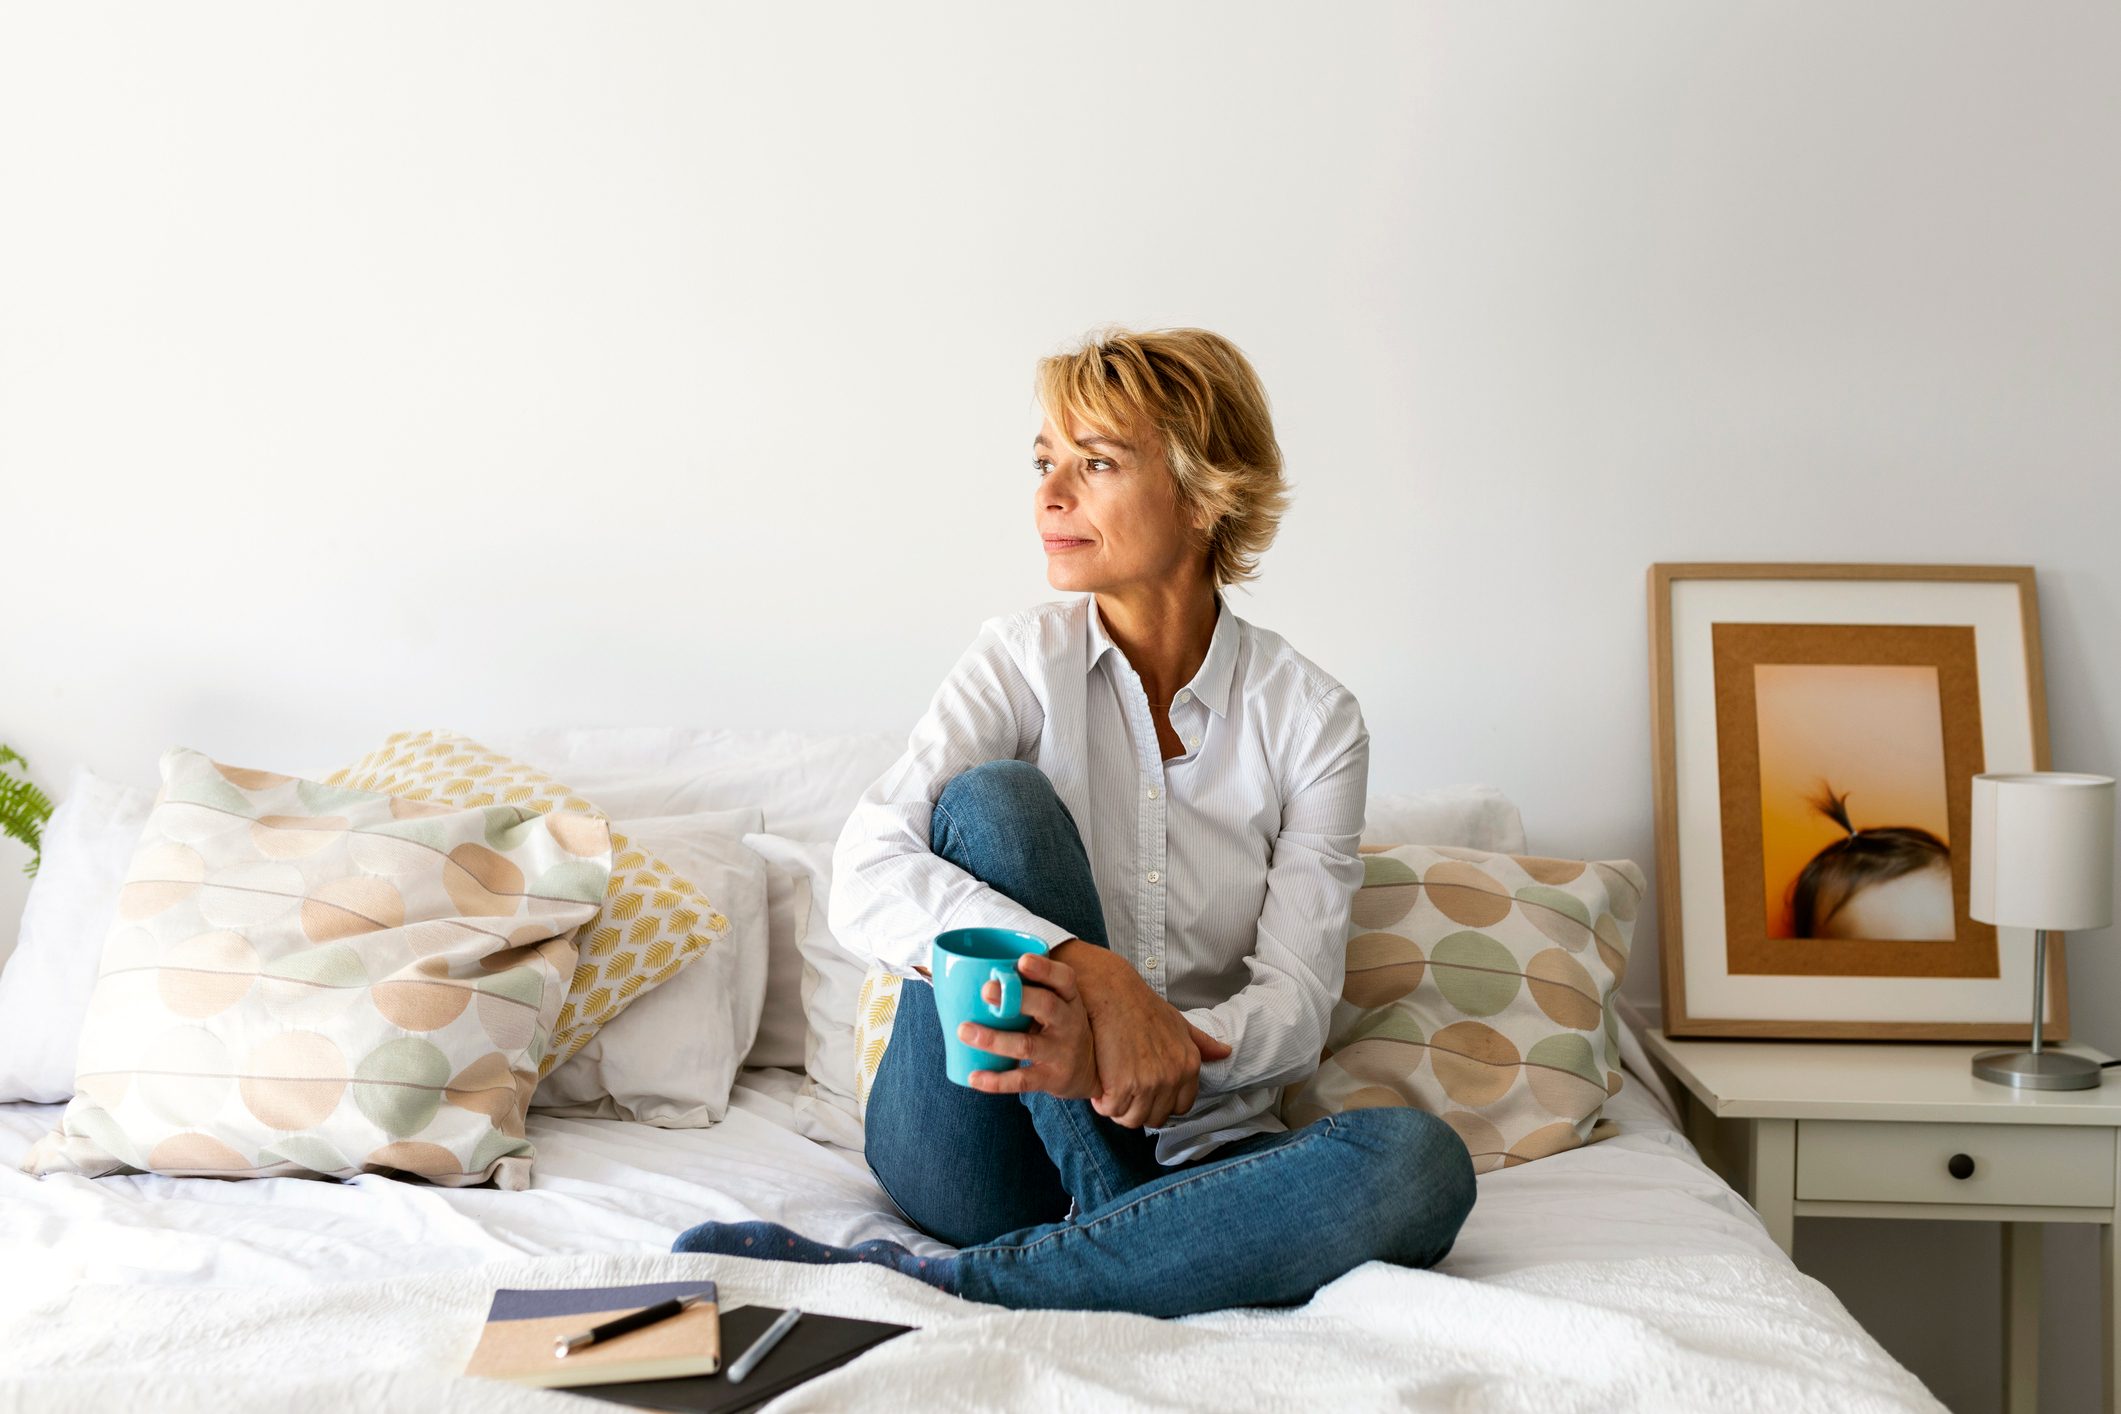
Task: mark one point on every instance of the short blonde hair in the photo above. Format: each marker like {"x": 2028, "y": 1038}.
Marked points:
{"x": 1201, "y": 396}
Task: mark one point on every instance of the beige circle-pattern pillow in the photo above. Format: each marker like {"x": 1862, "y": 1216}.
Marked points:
{"x": 306, "y": 979}
{"x": 653, "y": 921}
{"x": 1480, "y": 988}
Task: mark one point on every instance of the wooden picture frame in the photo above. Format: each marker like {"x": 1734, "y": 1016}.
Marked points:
{"x": 1902, "y": 681}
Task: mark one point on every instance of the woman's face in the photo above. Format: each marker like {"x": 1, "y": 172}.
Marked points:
{"x": 1915, "y": 907}
{"x": 1111, "y": 519}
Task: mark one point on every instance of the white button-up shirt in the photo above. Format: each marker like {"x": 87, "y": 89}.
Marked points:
{"x": 1226, "y": 873}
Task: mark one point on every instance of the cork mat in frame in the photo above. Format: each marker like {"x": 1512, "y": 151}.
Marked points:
{"x": 1815, "y": 731}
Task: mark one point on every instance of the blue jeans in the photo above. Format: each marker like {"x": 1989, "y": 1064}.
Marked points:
{"x": 1260, "y": 1221}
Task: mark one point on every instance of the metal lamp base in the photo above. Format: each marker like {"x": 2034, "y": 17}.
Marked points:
{"x": 2041, "y": 1070}
{"x": 2038, "y": 1068}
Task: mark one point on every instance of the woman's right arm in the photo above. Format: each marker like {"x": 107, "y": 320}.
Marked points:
{"x": 891, "y": 893}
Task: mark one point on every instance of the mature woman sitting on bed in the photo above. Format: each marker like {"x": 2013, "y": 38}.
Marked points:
{"x": 1171, "y": 798}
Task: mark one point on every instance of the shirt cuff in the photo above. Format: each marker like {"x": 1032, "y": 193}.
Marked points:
{"x": 992, "y": 908}
{"x": 1214, "y": 1078}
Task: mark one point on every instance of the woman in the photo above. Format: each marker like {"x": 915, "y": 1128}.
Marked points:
{"x": 1171, "y": 798}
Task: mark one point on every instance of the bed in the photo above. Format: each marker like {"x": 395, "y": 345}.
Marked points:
{"x": 1623, "y": 1274}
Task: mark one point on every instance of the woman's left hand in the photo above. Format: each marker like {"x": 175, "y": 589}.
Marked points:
{"x": 1058, "y": 1045}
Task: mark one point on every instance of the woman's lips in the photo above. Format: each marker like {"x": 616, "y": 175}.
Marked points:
{"x": 1053, "y": 545}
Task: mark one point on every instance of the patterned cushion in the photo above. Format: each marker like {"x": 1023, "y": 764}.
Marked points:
{"x": 1480, "y": 988}
{"x": 874, "y": 1011}
{"x": 654, "y": 921}
{"x": 307, "y": 979}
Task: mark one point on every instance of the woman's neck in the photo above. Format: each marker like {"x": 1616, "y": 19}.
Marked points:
{"x": 1164, "y": 631}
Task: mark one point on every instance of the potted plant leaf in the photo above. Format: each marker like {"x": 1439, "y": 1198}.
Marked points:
{"x": 23, "y": 808}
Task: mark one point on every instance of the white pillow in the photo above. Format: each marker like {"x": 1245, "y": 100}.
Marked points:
{"x": 784, "y": 1028}
{"x": 1469, "y": 816}
{"x": 804, "y": 784}
{"x": 670, "y": 1058}
{"x": 86, "y": 848}
{"x": 831, "y": 977}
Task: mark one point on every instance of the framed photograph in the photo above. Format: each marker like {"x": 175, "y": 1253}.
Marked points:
{"x": 1816, "y": 730}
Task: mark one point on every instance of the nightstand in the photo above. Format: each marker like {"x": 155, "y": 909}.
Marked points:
{"x": 1903, "y": 1129}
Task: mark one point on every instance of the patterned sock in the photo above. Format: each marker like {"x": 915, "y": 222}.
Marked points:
{"x": 772, "y": 1242}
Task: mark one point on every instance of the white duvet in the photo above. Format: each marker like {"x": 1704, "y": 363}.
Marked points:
{"x": 1623, "y": 1275}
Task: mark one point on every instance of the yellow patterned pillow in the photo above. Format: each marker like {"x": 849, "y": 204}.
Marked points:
{"x": 653, "y": 921}
{"x": 874, "y": 1013}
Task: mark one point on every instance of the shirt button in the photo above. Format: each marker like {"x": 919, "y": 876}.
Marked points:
{"x": 1185, "y": 694}
{"x": 1193, "y": 741}
{"x": 1150, "y": 964}
{"x": 1152, "y": 792}
{"x": 1154, "y": 876}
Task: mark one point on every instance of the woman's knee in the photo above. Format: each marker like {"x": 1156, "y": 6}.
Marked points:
{"x": 1420, "y": 1184}
{"x": 999, "y": 789}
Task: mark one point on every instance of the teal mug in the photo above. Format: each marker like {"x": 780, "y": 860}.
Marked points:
{"x": 960, "y": 964}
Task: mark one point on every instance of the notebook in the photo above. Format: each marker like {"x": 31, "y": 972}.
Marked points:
{"x": 522, "y": 1327}
{"x": 816, "y": 1344}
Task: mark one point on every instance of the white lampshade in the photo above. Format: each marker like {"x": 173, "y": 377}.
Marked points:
{"x": 2042, "y": 854}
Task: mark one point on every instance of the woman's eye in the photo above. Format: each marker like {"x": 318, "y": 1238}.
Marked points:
{"x": 1039, "y": 464}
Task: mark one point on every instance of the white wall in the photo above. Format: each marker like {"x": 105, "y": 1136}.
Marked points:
{"x": 398, "y": 365}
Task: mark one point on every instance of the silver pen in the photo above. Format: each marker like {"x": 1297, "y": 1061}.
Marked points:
{"x": 772, "y": 1337}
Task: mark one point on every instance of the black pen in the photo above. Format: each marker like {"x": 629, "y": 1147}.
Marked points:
{"x": 633, "y": 1321}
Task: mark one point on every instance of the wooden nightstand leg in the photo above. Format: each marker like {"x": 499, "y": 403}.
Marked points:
{"x": 1771, "y": 1179}
{"x": 2021, "y": 1317}
{"x": 2110, "y": 1328}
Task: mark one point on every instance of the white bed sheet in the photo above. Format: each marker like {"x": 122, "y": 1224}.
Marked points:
{"x": 616, "y": 1187}
{"x": 1620, "y": 1275}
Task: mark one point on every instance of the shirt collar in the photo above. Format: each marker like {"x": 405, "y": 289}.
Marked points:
{"x": 1211, "y": 684}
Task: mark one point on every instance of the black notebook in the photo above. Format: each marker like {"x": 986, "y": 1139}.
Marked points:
{"x": 816, "y": 1344}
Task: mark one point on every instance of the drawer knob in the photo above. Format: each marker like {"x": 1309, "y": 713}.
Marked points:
{"x": 1961, "y": 1165}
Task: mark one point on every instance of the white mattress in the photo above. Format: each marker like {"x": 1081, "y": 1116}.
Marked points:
{"x": 1620, "y": 1275}
{"x": 611, "y": 1186}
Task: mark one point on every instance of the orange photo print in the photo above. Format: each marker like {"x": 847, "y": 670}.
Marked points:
{"x": 1854, "y": 837}
{"x": 1846, "y": 755}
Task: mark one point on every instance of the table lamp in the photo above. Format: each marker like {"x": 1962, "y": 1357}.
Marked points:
{"x": 2042, "y": 857}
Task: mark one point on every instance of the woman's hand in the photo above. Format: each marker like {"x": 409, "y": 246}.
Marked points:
{"x": 1148, "y": 1054}
{"x": 1057, "y": 1045}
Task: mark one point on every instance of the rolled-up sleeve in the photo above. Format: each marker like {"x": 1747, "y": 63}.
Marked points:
{"x": 891, "y": 893}
{"x": 1276, "y": 1024}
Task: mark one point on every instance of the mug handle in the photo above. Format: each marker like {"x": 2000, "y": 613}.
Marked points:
{"x": 1012, "y": 995}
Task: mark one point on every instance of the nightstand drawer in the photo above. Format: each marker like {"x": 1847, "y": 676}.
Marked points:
{"x": 2036, "y": 1165}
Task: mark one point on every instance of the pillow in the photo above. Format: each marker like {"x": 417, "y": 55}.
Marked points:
{"x": 831, "y": 976}
{"x": 1468, "y": 816}
{"x": 653, "y": 923}
{"x": 1480, "y": 987}
{"x": 804, "y": 784}
{"x": 669, "y": 1059}
{"x": 784, "y": 1027}
{"x": 314, "y": 980}
{"x": 87, "y": 846}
